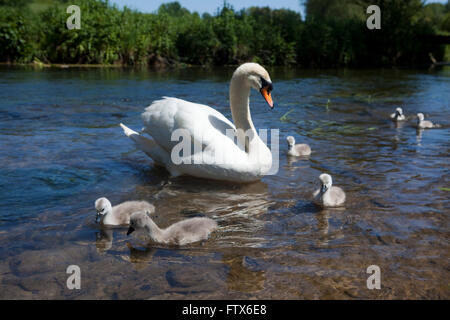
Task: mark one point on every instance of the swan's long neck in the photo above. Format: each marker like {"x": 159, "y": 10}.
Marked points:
{"x": 240, "y": 110}
{"x": 153, "y": 230}
{"x": 259, "y": 154}
{"x": 239, "y": 104}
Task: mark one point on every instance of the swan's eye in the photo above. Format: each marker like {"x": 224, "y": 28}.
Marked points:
{"x": 266, "y": 84}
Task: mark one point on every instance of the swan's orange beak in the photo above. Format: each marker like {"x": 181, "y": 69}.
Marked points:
{"x": 266, "y": 94}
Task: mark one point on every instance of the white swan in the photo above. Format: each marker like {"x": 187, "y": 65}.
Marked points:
{"x": 217, "y": 155}
{"x": 328, "y": 195}
{"x": 424, "y": 124}
{"x": 120, "y": 214}
{"x": 297, "y": 150}
{"x": 180, "y": 233}
{"x": 398, "y": 115}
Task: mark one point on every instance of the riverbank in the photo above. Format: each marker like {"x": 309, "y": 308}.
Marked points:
{"x": 174, "y": 35}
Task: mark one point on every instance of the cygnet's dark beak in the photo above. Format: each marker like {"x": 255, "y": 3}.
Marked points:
{"x": 130, "y": 230}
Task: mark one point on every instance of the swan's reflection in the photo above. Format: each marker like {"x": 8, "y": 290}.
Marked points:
{"x": 323, "y": 224}
{"x": 104, "y": 239}
{"x": 293, "y": 163}
{"x": 323, "y": 217}
{"x": 399, "y": 125}
{"x": 245, "y": 274}
{"x": 215, "y": 199}
{"x": 398, "y": 129}
{"x": 138, "y": 256}
{"x": 419, "y": 132}
{"x": 222, "y": 201}
{"x": 290, "y": 162}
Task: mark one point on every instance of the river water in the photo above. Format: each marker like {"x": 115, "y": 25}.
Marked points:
{"x": 61, "y": 148}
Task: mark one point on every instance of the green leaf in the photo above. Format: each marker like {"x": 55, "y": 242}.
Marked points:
{"x": 284, "y": 116}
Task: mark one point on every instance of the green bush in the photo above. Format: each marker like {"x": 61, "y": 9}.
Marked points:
{"x": 96, "y": 42}
{"x": 333, "y": 34}
{"x": 17, "y": 32}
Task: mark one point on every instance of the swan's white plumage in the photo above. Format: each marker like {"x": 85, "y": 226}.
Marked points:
{"x": 119, "y": 214}
{"x": 328, "y": 195}
{"x": 297, "y": 150}
{"x": 179, "y": 233}
{"x": 398, "y": 115}
{"x": 218, "y": 156}
{"x": 424, "y": 124}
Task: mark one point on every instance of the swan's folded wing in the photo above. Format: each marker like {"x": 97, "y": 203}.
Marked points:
{"x": 205, "y": 126}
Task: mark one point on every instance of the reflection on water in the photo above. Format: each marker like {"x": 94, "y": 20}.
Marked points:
{"x": 419, "y": 132}
{"x": 104, "y": 240}
{"x": 62, "y": 149}
{"x": 138, "y": 256}
{"x": 244, "y": 275}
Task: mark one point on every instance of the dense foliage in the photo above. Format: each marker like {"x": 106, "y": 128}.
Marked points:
{"x": 334, "y": 33}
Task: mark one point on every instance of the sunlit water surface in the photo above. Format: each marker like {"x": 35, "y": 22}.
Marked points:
{"x": 61, "y": 148}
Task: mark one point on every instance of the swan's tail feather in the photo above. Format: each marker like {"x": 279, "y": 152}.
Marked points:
{"x": 142, "y": 142}
{"x": 150, "y": 147}
{"x": 128, "y": 132}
